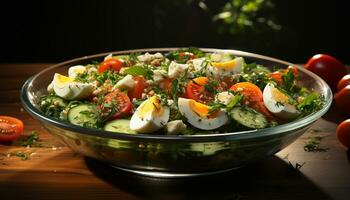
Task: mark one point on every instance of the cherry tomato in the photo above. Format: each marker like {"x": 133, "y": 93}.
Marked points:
{"x": 139, "y": 87}
{"x": 112, "y": 63}
{"x": 343, "y": 82}
{"x": 195, "y": 90}
{"x": 328, "y": 68}
{"x": 277, "y": 75}
{"x": 122, "y": 102}
{"x": 10, "y": 128}
{"x": 342, "y": 99}
{"x": 343, "y": 133}
{"x": 253, "y": 97}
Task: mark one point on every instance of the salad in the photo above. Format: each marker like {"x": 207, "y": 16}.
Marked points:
{"x": 182, "y": 92}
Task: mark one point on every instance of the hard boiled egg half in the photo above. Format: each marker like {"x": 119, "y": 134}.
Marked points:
{"x": 67, "y": 88}
{"x": 75, "y": 70}
{"x": 227, "y": 68}
{"x": 198, "y": 114}
{"x": 278, "y": 103}
{"x": 149, "y": 116}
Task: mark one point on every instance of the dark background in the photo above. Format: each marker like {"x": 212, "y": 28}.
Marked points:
{"x": 54, "y": 31}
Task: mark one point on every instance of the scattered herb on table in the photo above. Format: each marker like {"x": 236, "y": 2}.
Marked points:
{"x": 313, "y": 145}
{"x": 32, "y": 140}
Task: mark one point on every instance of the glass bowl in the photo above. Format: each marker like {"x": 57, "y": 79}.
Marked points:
{"x": 173, "y": 156}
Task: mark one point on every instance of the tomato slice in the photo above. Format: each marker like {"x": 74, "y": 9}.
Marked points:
{"x": 277, "y": 75}
{"x": 166, "y": 85}
{"x": 252, "y": 97}
{"x": 137, "y": 90}
{"x": 10, "y": 128}
{"x": 112, "y": 63}
{"x": 195, "y": 90}
{"x": 121, "y": 101}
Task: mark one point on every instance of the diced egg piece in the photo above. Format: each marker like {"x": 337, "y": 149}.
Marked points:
{"x": 150, "y": 116}
{"x": 197, "y": 114}
{"x": 147, "y": 57}
{"x": 175, "y": 127}
{"x": 278, "y": 103}
{"x": 224, "y": 97}
{"x": 198, "y": 63}
{"x": 75, "y": 70}
{"x": 220, "y": 57}
{"x": 227, "y": 68}
{"x": 159, "y": 75}
{"x": 125, "y": 83}
{"x": 67, "y": 88}
{"x": 175, "y": 69}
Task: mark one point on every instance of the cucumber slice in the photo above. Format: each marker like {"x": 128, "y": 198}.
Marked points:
{"x": 249, "y": 117}
{"x": 119, "y": 126}
{"x": 83, "y": 115}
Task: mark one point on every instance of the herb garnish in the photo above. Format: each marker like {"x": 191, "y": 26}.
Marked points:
{"x": 313, "y": 145}
{"x": 32, "y": 140}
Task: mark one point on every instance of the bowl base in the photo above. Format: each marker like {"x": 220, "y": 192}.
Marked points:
{"x": 157, "y": 174}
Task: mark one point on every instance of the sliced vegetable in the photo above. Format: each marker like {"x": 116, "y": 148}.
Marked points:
{"x": 197, "y": 89}
{"x": 119, "y": 126}
{"x": 83, "y": 115}
{"x": 252, "y": 97}
{"x": 248, "y": 117}
{"x": 138, "y": 89}
{"x": 116, "y": 104}
{"x": 10, "y": 128}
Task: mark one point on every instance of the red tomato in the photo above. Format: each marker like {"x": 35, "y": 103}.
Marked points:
{"x": 277, "y": 75}
{"x": 195, "y": 90}
{"x": 342, "y": 99}
{"x": 343, "y": 82}
{"x": 166, "y": 85}
{"x": 112, "y": 63}
{"x": 328, "y": 68}
{"x": 122, "y": 102}
{"x": 187, "y": 54}
{"x": 253, "y": 97}
{"x": 343, "y": 133}
{"x": 10, "y": 128}
{"x": 137, "y": 90}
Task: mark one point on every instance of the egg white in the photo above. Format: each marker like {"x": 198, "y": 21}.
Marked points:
{"x": 227, "y": 68}
{"x": 150, "y": 121}
{"x": 67, "y": 88}
{"x": 198, "y": 121}
{"x": 277, "y": 103}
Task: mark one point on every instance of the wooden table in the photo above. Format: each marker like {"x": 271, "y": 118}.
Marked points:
{"x": 55, "y": 172}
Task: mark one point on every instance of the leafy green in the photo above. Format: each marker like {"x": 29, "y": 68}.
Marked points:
{"x": 310, "y": 103}
{"x": 288, "y": 79}
{"x": 141, "y": 70}
{"x": 52, "y": 105}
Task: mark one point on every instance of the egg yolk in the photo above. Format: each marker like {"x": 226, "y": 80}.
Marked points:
{"x": 225, "y": 65}
{"x": 279, "y": 96}
{"x": 151, "y": 106}
{"x": 79, "y": 70}
{"x": 62, "y": 80}
{"x": 202, "y": 110}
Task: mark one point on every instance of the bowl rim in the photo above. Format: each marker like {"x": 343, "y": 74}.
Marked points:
{"x": 255, "y": 133}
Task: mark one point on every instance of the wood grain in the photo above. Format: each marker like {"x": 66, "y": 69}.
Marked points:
{"x": 55, "y": 172}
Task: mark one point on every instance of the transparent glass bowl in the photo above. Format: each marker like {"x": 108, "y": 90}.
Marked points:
{"x": 173, "y": 156}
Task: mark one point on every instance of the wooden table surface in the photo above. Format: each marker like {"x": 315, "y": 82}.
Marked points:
{"x": 55, "y": 172}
